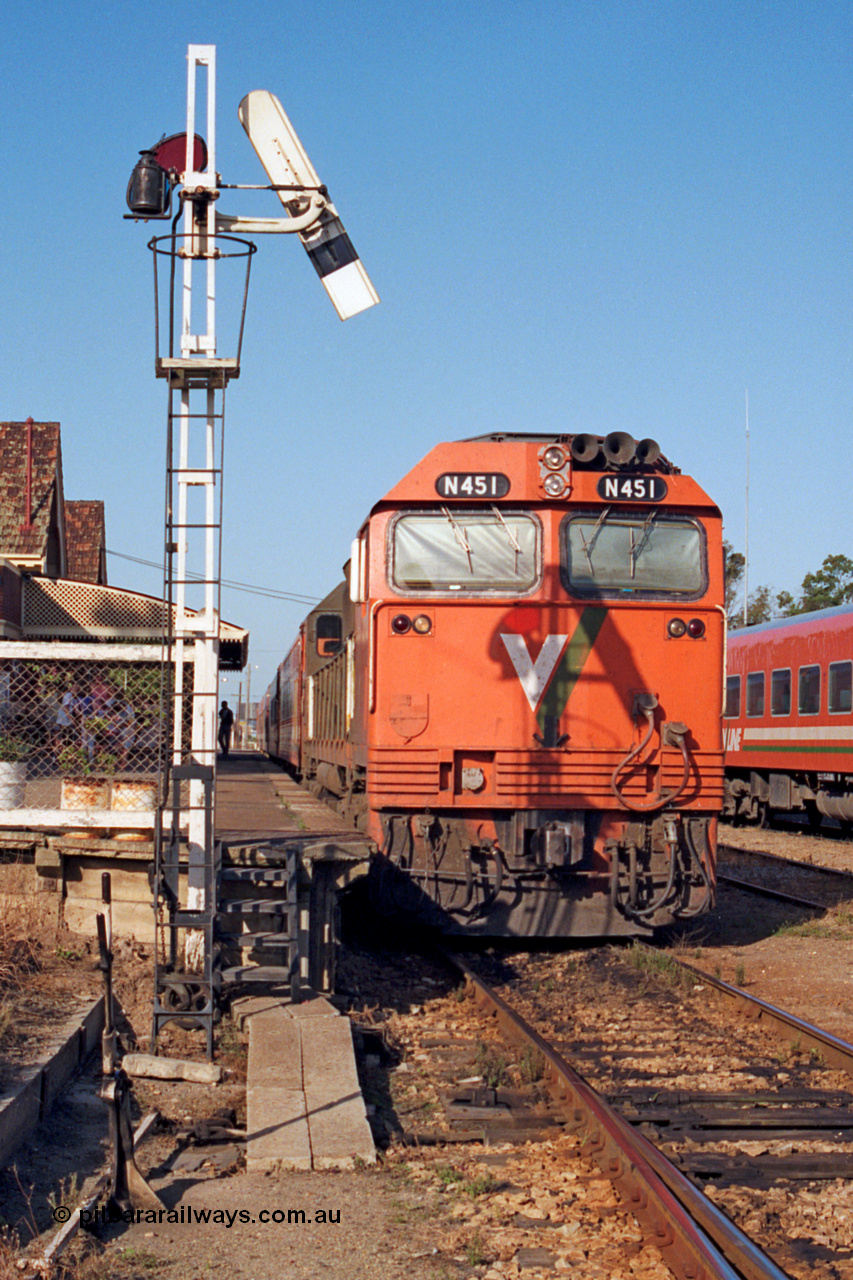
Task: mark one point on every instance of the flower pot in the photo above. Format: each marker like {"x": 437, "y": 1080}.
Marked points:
{"x": 85, "y": 793}
{"x": 13, "y": 782}
{"x": 131, "y": 793}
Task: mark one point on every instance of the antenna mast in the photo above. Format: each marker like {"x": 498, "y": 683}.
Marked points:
{"x": 746, "y": 524}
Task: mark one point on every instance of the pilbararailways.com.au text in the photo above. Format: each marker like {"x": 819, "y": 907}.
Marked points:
{"x": 102, "y": 1214}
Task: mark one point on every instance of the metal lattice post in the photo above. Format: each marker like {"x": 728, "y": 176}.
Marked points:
{"x": 185, "y": 975}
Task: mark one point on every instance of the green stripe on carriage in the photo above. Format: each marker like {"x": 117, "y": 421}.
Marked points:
{"x": 571, "y": 664}
{"x": 825, "y": 748}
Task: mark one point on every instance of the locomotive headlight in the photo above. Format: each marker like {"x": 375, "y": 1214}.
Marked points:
{"x": 400, "y": 624}
{"x": 696, "y": 628}
{"x": 676, "y": 627}
{"x": 422, "y": 624}
{"x": 554, "y": 485}
{"x": 554, "y": 458}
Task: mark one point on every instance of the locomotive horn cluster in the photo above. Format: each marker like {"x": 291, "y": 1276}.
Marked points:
{"x": 619, "y": 449}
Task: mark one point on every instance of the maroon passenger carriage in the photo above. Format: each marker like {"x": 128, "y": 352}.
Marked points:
{"x": 788, "y": 721}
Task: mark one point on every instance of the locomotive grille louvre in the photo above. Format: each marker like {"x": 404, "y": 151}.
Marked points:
{"x": 416, "y": 772}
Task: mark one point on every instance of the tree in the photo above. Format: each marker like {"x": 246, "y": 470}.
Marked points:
{"x": 735, "y": 563}
{"x": 759, "y": 608}
{"x": 832, "y": 584}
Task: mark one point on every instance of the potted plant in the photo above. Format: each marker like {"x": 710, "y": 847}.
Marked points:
{"x": 13, "y": 770}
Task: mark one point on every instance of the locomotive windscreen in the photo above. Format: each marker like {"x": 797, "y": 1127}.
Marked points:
{"x": 465, "y": 551}
{"x": 607, "y": 554}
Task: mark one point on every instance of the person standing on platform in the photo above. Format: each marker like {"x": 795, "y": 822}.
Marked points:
{"x": 226, "y": 723}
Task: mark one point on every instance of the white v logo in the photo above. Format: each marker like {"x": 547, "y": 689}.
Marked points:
{"x": 534, "y": 676}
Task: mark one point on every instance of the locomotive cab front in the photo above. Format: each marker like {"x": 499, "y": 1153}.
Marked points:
{"x": 532, "y": 730}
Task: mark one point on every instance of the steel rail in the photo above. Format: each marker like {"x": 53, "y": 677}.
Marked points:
{"x": 834, "y": 1051}
{"x": 723, "y": 849}
{"x": 698, "y": 1240}
{"x": 778, "y": 895}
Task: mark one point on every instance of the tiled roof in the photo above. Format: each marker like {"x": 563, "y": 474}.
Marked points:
{"x": 85, "y": 541}
{"x": 16, "y": 540}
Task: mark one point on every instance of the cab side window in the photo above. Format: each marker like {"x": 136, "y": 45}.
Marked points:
{"x": 330, "y": 636}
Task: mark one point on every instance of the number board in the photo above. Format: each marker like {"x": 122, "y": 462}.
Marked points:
{"x": 632, "y": 488}
{"x": 472, "y": 484}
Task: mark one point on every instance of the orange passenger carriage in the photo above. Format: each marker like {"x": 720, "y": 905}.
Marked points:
{"x": 517, "y": 691}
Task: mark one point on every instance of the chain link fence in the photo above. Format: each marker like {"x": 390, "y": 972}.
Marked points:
{"x": 83, "y": 734}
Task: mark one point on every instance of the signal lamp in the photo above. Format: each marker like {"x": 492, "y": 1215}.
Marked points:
{"x": 554, "y": 457}
{"x": 401, "y": 624}
{"x": 696, "y": 628}
{"x": 676, "y": 628}
{"x": 554, "y": 485}
{"x": 422, "y": 624}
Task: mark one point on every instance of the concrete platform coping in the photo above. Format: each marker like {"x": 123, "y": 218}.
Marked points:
{"x": 303, "y": 1099}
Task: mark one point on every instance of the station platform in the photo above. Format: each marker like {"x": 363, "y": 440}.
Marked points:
{"x": 256, "y": 800}
{"x": 303, "y": 1100}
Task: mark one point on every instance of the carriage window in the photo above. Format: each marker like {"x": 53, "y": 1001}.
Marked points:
{"x": 607, "y": 553}
{"x": 456, "y": 550}
{"x": 329, "y": 634}
{"x": 732, "y": 710}
{"x": 840, "y": 687}
{"x": 755, "y": 693}
{"x": 808, "y": 698}
{"x": 780, "y": 693}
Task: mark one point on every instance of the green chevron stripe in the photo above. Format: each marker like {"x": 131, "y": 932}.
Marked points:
{"x": 571, "y": 664}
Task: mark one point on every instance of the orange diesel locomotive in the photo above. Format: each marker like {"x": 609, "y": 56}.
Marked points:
{"x": 516, "y": 692}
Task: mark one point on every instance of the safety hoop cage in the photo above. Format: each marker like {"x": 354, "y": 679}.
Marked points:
{"x": 216, "y": 248}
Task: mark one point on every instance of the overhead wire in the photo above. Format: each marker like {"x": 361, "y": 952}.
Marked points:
{"x": 269, "y": 593}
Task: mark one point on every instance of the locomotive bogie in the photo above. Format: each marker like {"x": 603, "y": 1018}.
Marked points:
{"x": 516, "y": 691}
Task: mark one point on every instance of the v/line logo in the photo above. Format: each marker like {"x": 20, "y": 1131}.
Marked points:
{"x": 549, "y": 680}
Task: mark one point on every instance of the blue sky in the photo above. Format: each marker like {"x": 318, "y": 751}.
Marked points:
{"x": 585, "y": 216}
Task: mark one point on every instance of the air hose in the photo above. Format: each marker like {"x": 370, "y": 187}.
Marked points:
{"x": 674, "y": 734}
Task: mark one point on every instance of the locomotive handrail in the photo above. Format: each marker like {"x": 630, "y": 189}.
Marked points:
{"x": 371, "y": 656}
{"x": 722, "y": 610}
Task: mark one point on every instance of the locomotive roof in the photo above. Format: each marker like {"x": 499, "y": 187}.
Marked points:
{"x": 516, "y": 457}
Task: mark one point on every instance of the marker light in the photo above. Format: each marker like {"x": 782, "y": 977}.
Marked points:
{"x": 696, "y": 628}
{"x": 422, "y": 624}
{"x": 400, "y": 625}
{"x": 676, "y": 628}
{"x": 554, "y": 457}
{"x": 554, "y": 485}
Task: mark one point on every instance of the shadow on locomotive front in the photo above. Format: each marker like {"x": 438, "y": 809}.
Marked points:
{"x": 516, "y": 691}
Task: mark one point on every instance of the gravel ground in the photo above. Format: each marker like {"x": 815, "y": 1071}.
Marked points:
{"x": 421, "y": 1213}
{"x": 798, "y": 961}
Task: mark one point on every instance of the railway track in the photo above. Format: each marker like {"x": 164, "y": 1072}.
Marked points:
{"x": 695, "y": 1237}
{"x": 744, "y": 1120}
{"x": 805, "y": 884}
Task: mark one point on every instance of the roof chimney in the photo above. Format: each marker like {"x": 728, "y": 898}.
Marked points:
{"x": 28, "y": 518}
